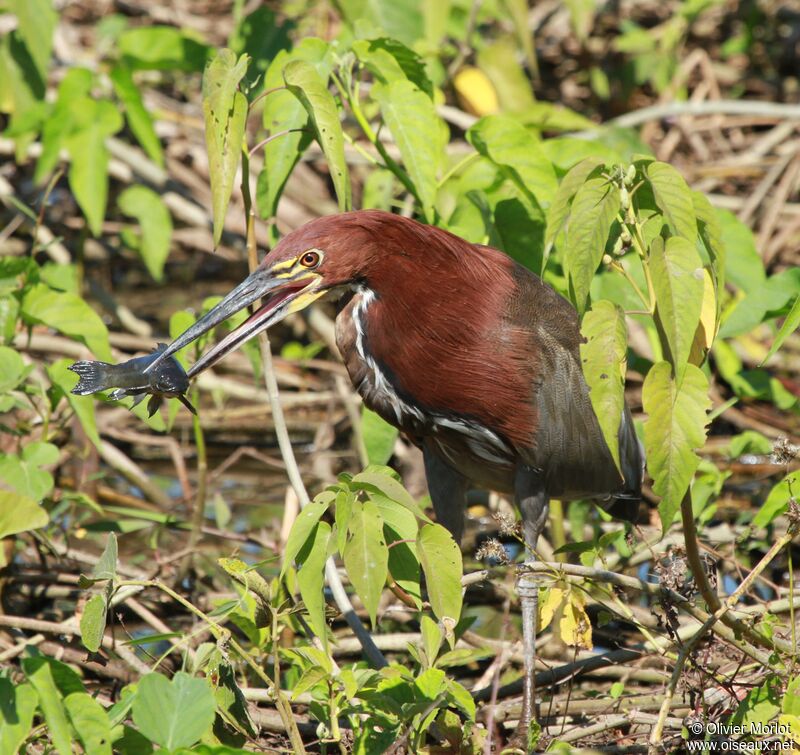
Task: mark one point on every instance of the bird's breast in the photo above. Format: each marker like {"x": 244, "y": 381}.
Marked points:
{"x": 468, "y": 445}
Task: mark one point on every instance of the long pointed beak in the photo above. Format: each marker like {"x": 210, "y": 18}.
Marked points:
{"x": 277, "y": 294}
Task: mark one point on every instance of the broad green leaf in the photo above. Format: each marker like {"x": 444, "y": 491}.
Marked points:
{"x": 88, "y": 168}
{"x": 772, "y": 298}
{"x": 558, "y": 211}
{"x": 69, "y": 314}
{"x": 551, "y": 117}
{"x": 302, "y": 529}
{"x": 593, "y": 210}
{"x": 790, "y": 324}
{"x": 305, "y": 83}
{"x": 431, "y": 683}
{"x": 36, "y": 21}
{"x": 311, "y": 578}
{"x": 75, "y": 85}
{"x": 18, "y": 513}
{"x": 23, "y": 473}
{"x": 83, "y": 406}
{"x": 744, "y": 266}
{"x": 225, "y": 111}
{"x": 90, "y": 721}
{"x": 39, "y": 672}
{"x": 379, "y": 436}
{"x": 418, "y": 132}
{"x": 382, "y": 481}
{"x": 93, "y": 623}
{"x": 401, "y": 21}
{"x": 16, "y": 713}
{"x": 710, "y": 232}
{"x": 283, "y": 111}
{"x": 677, "y": 273}
{"x": 675, "y": 427}
{"x": 603, "y": 359}
{"x": 520, "y": 230}
{"x": 509, "y": 144}
{"x": 12, "y": 370}
{"x": 139, "y": 120}
{"x": 366, "y": 556}
{"x": 435, "y": 17}
{"x": 791, "y": 698}
{"x": 499, "y": 61}
{"x": 401, "y": 524}
{"x": 389, "y": 60}
{"x": 777, "y": 502}
{"x": 431, "y": 637}
{"x": 161, "y": 48}
{"x": 440, "y": 558}
{"x": 173, "y": 713}
{"x": 155, "y": 225}
{"x": 106, "y": 566}
{"x": 674, "y": 199}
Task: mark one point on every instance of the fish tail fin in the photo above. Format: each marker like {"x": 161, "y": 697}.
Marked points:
{"x": 93, "y": 377}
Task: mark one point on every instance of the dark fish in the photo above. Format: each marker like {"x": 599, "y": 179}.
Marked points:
{"x": 130, "y": 379}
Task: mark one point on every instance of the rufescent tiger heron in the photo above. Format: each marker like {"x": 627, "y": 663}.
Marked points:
{"x": 468, "y": 353}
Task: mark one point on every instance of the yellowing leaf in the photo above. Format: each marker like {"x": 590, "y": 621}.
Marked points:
{"x": 475, "y": 91}
{"x": 574, "y": 627}
{"x": 707, "y": 327}
{"x": 554, "y": 597}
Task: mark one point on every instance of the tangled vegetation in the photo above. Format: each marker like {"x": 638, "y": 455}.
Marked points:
{"x": 264, "y": 576}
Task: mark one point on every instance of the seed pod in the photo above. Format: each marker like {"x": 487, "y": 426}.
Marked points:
{"x": 630, "y": 175}
{"x": 624, "y": 198}
{"x": 607, "y": 259}
{"x": 625, "y": 235}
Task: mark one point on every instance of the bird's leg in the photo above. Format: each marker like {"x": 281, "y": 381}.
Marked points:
{"x": 448, "y": 489}
{"x": 533, "y": 502}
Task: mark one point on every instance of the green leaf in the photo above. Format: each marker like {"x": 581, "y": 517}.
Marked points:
{"x": 75, "y": 86}
{"x": 106, "y": 566}
{"x": 401, "y": 21}
{"x": 68, "y": 314}
{"x": 790, "y": 324}
{"x": 440, "y": 558}
{"x": 431, "y": 637}
{"x": 389, "y": 60}
{"x": 311, "y": 578}
{"x": 676, "y": 425}
{"x": 161, "y": 48}
{"x": 379, "y": 436}
{"x": 83, "y": 406}
{"x": 155, "y": 225}
{"x": 36, "y": 21}
{"x": 225, "y": 111}
{"x": 498, "y": 60}
{"x": 777, "y": 502}
{"x": 302, "y": 529}
{"x": 745, "y": 268}
{"x": 23, "y": 473}
{"x": 305, "y": 83}
{"x": 419, "y": 134}
{"x": 772, "y": 298}
{"x": 90, "y": 721}
{"x": 366, "y": 556}
{"x": 173, "y": 713}
{"x": 674, "y": 199}
{"x": 16, "y": 713}
{"x": 593, "y": 210}
{"x": 139, "y": 120}
{"x": 88, "y": 169}
{"x": 603, "y": 359}
{"x": 677, "y": 273}
{"x": 507, "y": 143}
{"x": 558, "y": 211}
{"x": 12, "y": 369}
{"x": 40, "y": 674}
{"x": 380, "y": 480}
{"x": 282, "y": 111}
{"x": 93, "y": 623}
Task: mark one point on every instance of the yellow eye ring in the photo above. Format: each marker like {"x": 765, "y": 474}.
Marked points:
{"x": 310, "y": 259}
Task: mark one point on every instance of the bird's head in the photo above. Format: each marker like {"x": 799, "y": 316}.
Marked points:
{"x": 326, "y": 254}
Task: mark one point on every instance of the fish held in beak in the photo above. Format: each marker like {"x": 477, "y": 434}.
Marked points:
{"x": 277, "y": 294}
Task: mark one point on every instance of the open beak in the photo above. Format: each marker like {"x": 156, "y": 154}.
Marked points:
{"x": 278, "y": 295}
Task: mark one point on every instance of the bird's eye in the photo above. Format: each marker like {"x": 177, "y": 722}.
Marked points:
{"x": 310, "y": 259}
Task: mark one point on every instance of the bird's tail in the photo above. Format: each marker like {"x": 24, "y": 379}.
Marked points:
{"x": 625, "y": 503}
